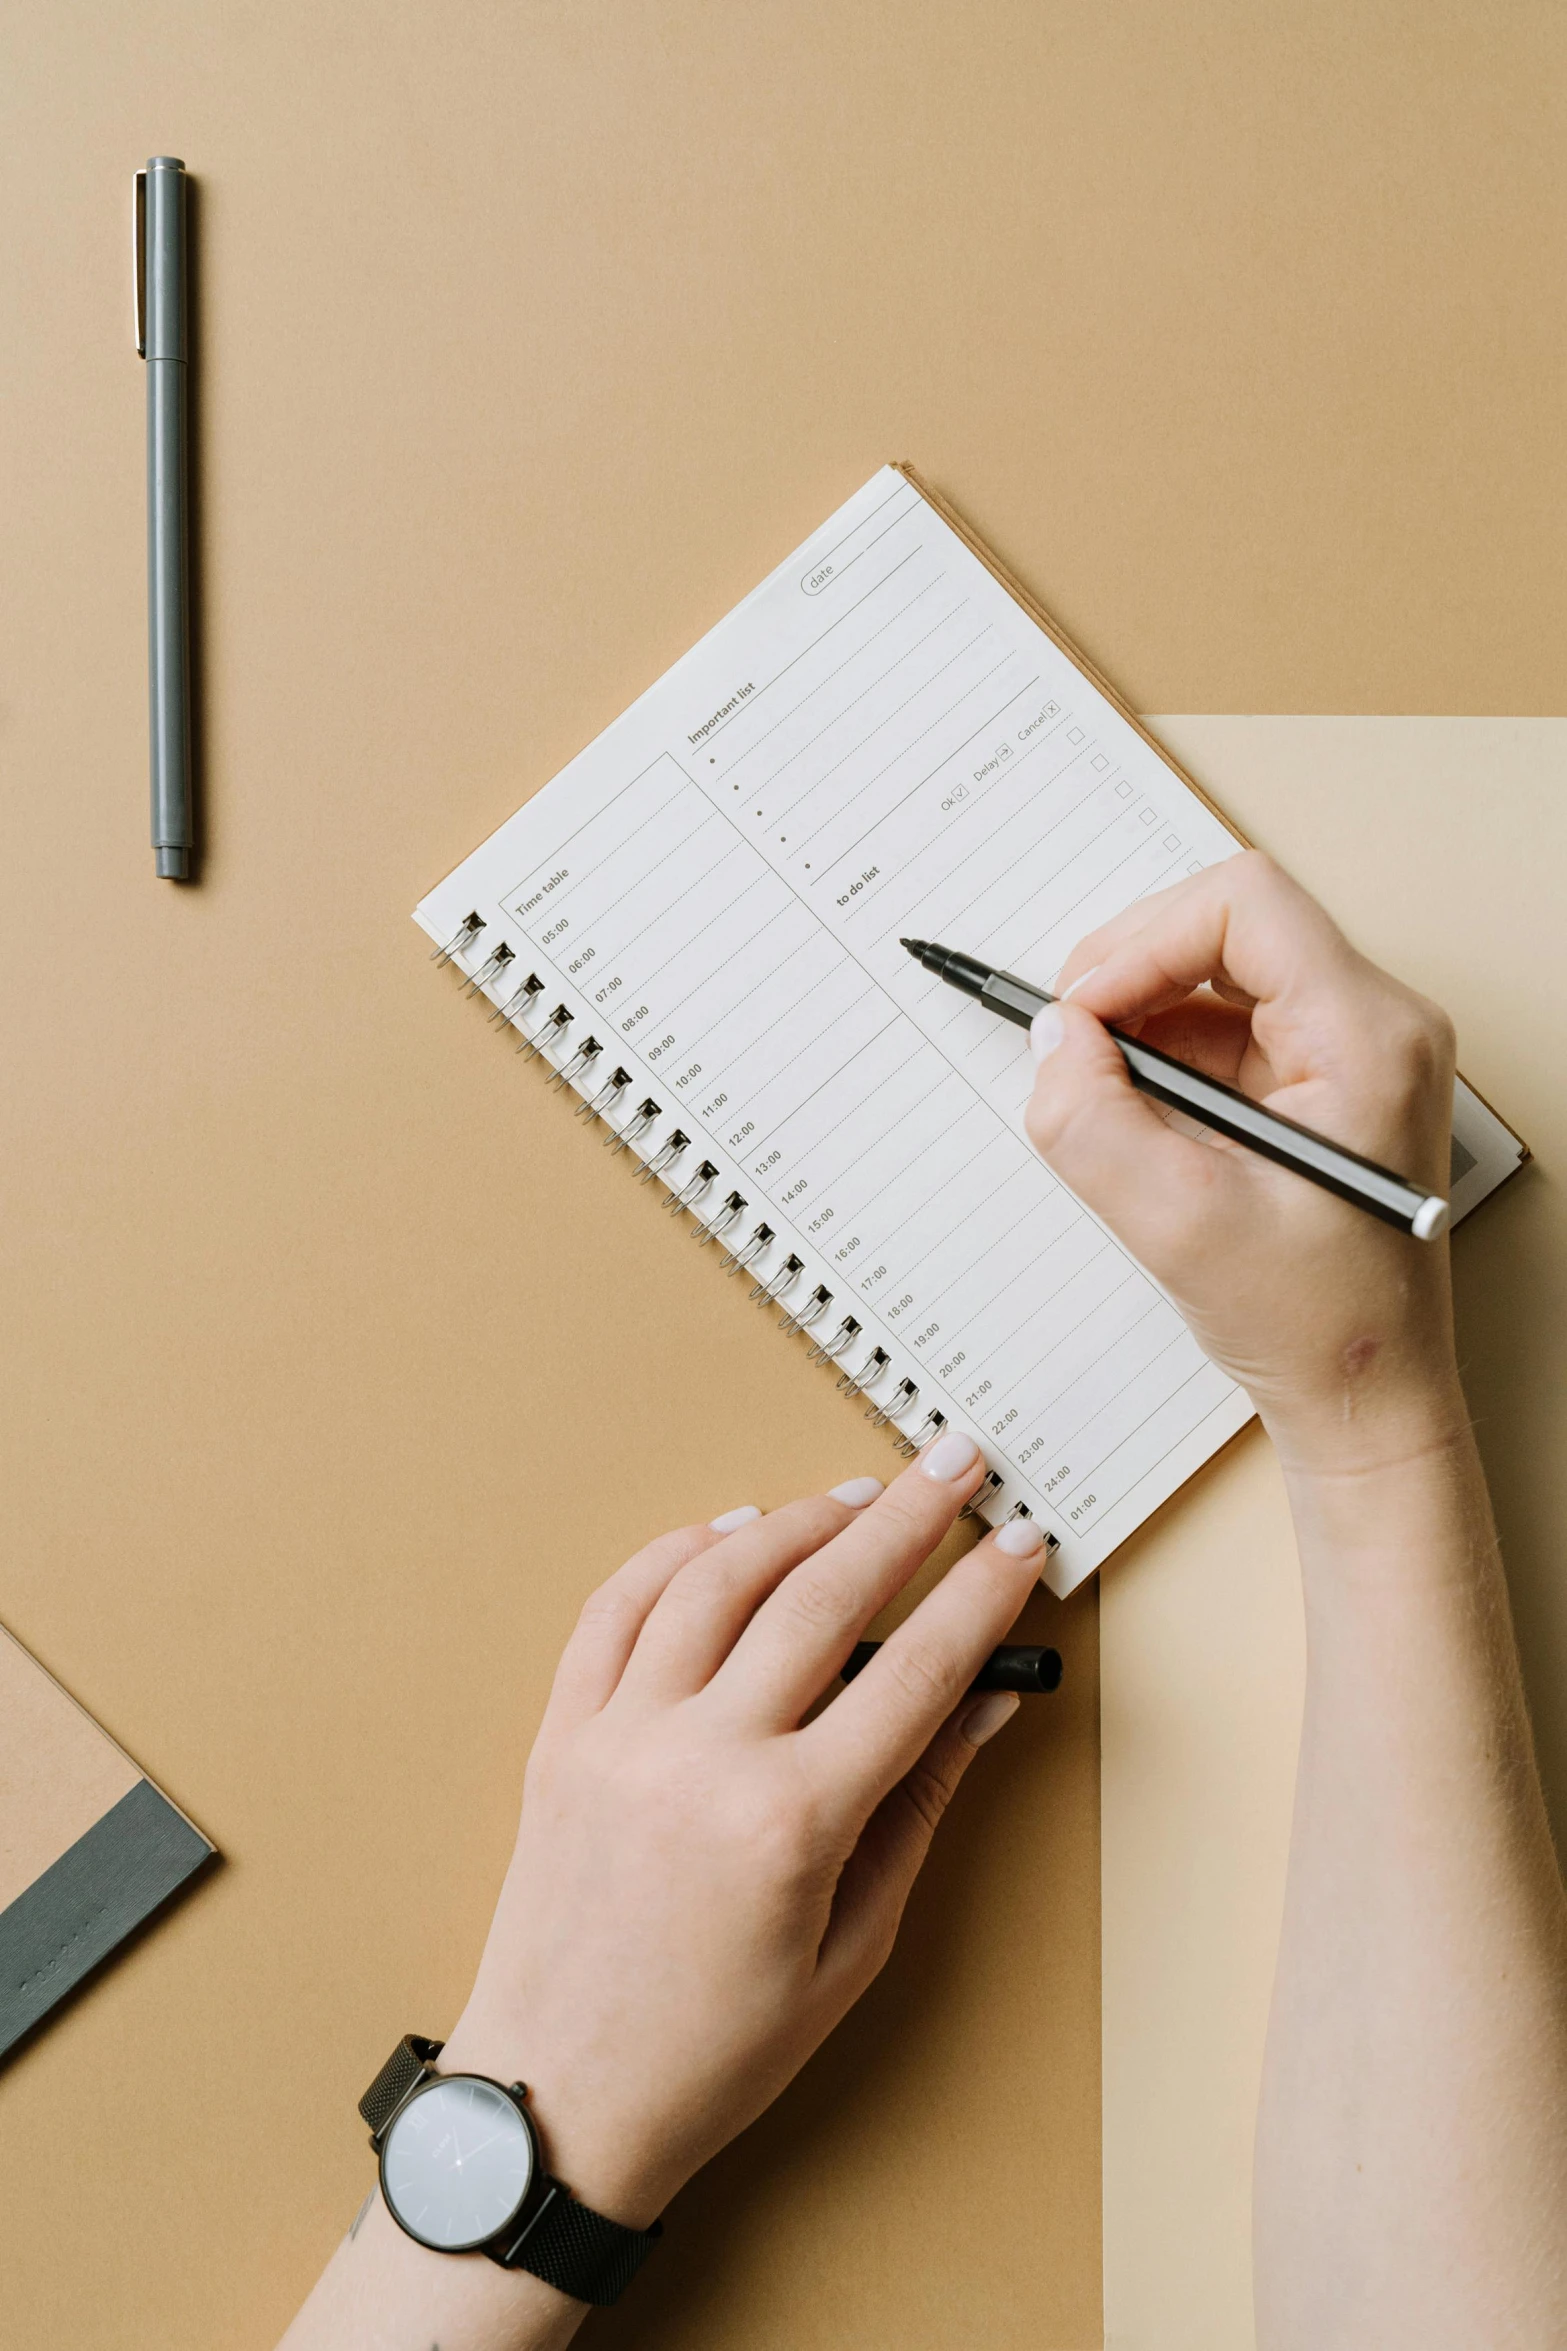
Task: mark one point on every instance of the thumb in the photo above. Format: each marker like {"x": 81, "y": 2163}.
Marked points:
{"x": 874, "y": 1885}
{"x": 1107, "y": 1142}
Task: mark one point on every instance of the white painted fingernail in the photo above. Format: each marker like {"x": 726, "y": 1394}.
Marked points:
{"x": 986, "y": 1716}
{"x": 1068, "y": 993}
{"x": 856, "y": 1492}
{"x": 1019, "y": 1538}
{"x": 950, "y": 1457}
{"x": 734, "y": 1518}
{"x": 1045, "y": 1035}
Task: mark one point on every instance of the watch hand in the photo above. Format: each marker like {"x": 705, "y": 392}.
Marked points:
{"x": 483, "y": 2143}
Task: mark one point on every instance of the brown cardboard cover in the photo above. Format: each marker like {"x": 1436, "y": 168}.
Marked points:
{"x": 58, "y": 1771}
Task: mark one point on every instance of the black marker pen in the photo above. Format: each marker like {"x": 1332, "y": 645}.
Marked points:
{"x": 1360, "y": 1181}
{"x": 1022, "y": 1669}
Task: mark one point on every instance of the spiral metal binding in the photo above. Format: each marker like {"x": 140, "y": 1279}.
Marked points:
{"x": 828, "y": 1350}
{"x": 552, "y": 1033}
{"x": 775, "y": 1285}
{"x": 761, "y": 1241}
{"x": 646, "y": 1115}
{"x": 609, "y": 1093}
{"x": 989, "y": 1487}
{"x": 525, "y": 1044}
{"x": 855, "y": 1384}
{"x": 812, "y": 1311}
{"x": 460, "y": 941}
{"x": 665, "y": 1156}
{"x": 491, "y": 970}
{"x": 577, "y": 1070}
{"x": 720, "y": 1221}
{"x": 520, "y": 1001}
{"x": 704, "y": 1179}
{"x": 903, "y": 1395}
{"x": 578, "y": 1066}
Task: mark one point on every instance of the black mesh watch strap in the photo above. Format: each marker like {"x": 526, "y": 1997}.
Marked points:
{"x": 576, "y": 2249}
{"x": 408, "y": 2064}
{"x": 567, "y": 2244}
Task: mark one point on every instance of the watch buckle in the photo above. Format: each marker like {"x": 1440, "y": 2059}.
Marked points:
{"x": 408, "y": 2068}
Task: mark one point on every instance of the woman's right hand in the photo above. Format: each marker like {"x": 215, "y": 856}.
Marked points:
{"x": 1338, "y": 1326}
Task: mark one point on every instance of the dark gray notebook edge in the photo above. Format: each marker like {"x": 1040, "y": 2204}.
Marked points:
{"x": 89, "y": 1901}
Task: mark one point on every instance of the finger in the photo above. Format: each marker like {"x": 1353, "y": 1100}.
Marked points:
{"x": 861, "y": 1746}
{"x": 874, "y": 1887}
{"x": 702, "y": 1612}
{"x": 1211, "y": 1036}
{"x": 1337, "y": 1044}
{"x": 1244, "y": 925}
{"x": 797, "y": 1641}
{"x": 1096, "y": 946}
{"x": 1109, "y": 1144}
{"x": 594, "y": 1658}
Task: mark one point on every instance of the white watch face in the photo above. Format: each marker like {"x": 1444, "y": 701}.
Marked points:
{"x": 457, "y": 2163}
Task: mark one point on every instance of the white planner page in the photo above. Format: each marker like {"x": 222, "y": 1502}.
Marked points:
{"x": 878, "y": 742}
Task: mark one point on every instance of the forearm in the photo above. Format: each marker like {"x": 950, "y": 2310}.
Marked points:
{"x": 1411, "y": 2169}
{"x": 382, "y": 2292}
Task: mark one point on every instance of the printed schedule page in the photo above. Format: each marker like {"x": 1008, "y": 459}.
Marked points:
{"x": 878, "y": 742}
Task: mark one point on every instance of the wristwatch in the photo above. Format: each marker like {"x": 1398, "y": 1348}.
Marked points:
{"x": 462, "y": 2172}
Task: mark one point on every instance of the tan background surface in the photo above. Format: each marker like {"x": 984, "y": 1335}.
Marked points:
{"x": 339, "y": 1365}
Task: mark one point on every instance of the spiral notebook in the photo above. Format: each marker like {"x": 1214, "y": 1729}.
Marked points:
{"x": 696, "y": 926}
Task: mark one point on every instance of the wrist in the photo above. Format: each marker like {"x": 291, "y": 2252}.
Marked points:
{"x": 1353, "y": 1437}
{"x": 1411, "y": 1517}
{"x": 595, "y": 2150}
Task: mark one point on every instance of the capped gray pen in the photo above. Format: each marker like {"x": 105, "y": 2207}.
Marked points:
{"x": 162, "y": 338}
{"x": 1362, "y": 1182}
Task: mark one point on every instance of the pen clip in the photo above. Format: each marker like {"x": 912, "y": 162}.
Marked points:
{"x": 139, "y": 257}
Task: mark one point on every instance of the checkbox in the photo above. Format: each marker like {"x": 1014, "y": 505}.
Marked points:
{"x": 1075, "y": 735}
{"x": 1150, "y": 816}
{"x": 1099, "y": 760}
{"x": 1194, "y": 868}
{"x": 1124, "y": 788}
{"x": 1172, "y": 840}
{"x": 1052, "y": 709}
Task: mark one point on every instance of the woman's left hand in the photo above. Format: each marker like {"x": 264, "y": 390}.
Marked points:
{"x": 704, "y": 1881}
